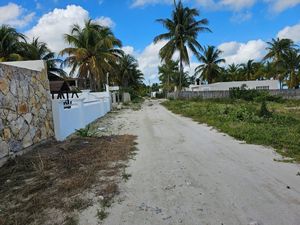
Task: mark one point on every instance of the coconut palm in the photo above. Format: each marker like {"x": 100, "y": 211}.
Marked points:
{"x": 276, "y": 49}
{"x": 182, "y": 32}
{"x": 92, "y": 53}
{"x": 167, "y": 72}
{"x": 127, "y": 71}
{"x": 249, "y": 69}
{"x": 233, "y": 72}
{"x": 11, "y": 44}
{"x": 291, "y": 60}
{"x": 210, "y": 59}
{"x": 37, "y": 50}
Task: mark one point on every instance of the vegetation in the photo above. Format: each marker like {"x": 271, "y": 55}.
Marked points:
{"x": 209, "y": 69}
{"x": 281, "y": 62}
{"x": 93, "y": 53}
{"x": 270, "y": 123}
{"x": 182, "y": 32}
{"x": 63, "y": 176}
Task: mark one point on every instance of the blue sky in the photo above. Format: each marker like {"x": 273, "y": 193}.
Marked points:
{"x": 240, "y": 27}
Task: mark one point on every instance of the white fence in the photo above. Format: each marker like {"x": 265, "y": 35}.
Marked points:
{"x": 76, "y": 113}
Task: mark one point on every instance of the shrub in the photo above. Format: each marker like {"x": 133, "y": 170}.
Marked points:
{"x": 253, "y": 95}
{"x": 264, "y": 112}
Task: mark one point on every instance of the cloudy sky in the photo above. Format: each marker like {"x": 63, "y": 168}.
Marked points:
{"x": 240, "y": 28}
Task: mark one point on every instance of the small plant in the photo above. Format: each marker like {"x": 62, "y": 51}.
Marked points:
{"x": 264, "y": 112}
{"x": 84, "y": 132}
{"x": 71, "y": 221}
{"x": 101, "y": 214}
{"x": 126, "y": 176}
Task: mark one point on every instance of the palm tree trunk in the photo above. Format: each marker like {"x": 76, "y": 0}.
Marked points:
{"x": 181, "y": 73}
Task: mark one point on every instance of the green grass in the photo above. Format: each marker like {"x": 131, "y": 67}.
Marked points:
{"x": 243, "y": 120}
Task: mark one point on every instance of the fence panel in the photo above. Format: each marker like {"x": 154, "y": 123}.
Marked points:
{"x": 76, "y": 113}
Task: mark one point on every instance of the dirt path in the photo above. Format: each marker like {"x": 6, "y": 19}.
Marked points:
{"x": 189, "y": 174}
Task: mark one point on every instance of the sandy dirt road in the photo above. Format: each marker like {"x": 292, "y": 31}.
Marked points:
{"x": 187, "y": 173}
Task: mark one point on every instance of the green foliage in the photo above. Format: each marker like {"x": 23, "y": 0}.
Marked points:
{"x": 249, "y": 121}
{"x": 253, "y": 95}
{"x": 264, "y": 112}
{"x": 84, "y": 132}
{"x": 101, "y": 214}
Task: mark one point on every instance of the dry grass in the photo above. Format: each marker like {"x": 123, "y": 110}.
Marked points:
{"x": 54, "y": 174}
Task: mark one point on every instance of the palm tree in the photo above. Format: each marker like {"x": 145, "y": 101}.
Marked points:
{"x": 183, "y": 29}
{"x": 93, "y": 52}
{"x": 127, "y": 72}
{"x": 248, "y": 69}
{"x": 233, "y": 72}
{"x": 11, "y": 44}
{"x": 276, "y": 49}
{"x": 167, "y": 72}
{"x": 291, "y": 60}
{"x": 37, "y": 50}
{"x": 210, "y": 59}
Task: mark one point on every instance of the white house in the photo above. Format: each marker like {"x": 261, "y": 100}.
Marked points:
{"x": 225, "y": 86}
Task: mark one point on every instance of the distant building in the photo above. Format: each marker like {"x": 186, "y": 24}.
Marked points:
{"x": 226, "y": 86}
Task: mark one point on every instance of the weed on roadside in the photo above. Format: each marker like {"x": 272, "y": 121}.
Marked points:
{"x": 102, "y": 214}
{"x": 126, "y": 176}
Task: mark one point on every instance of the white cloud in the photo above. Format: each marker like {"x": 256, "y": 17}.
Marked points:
{"x": 129, "y": 50}
{"x": 214, "y": 4}
{"x": 241, "y": 17}
{"x": 149, "y": 60}
{"x": 15, "y": 15}
{"x": 281, "y": 5}
{"x": 235, "y": 52}
{"x": 291, "y": 32}
{"x": 237, "y": 4}
{"x": 141, "y": 3}
{"x": 105, "y": 21}
{"x": 52, "y": 26}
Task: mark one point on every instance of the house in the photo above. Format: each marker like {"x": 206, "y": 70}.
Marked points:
{"x": 226, "y": 86}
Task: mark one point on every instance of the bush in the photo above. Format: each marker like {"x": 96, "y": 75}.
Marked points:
{"x": 264, "y": 112}
{"x": 253, "y": 95}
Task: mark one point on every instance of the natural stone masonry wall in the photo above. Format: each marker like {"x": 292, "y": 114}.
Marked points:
{"x": 25, "y": 109}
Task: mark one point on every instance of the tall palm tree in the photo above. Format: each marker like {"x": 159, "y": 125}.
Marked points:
{"x": 167, "y": 72}
{"x": 210, "y": 59}
{"x": 292, "y": 64}
{"x": 276, "y": 49}
{"x": 37, "y": 50}
{"x": 233, "y": 72}
{"x": 127, "y": 71}
{"x": 183, "y": 29}
{"x": 248, "y": 69}
{"x": 11, "y": 44}
{"x": 93, "y": 51}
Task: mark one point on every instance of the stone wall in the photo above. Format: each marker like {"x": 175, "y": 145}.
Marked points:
{"x": 25, "y": 109}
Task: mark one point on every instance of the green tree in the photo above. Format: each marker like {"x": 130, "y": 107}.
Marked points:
{"x": 37, "y": 50}
{"x": 291, "y": 60}
{"x": 249, "y": 69}
{"x": 182, "y": 32}
{"x": 127, "y": 72}
{"x": 11, "y": 44}
{"x": 167, "y": 72}
{"x": 233, "y": 72}
{"x": 93, "y": 52}
{"x": 209, "y": 70}
{"x": 276, "y": 49}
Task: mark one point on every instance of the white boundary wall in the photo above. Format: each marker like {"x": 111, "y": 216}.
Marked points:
{"x": 83, "y": 110}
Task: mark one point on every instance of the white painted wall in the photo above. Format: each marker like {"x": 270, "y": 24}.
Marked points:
{"x": 84, "y": 110}
{"x": 225, "y": 86}
{"x": 37, "y": 65}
